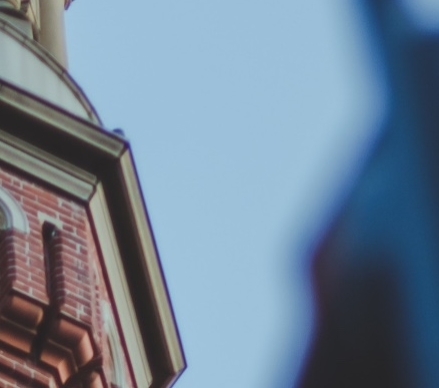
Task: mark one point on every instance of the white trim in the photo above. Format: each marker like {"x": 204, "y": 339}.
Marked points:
{"x": 43, "y": 217}
{"x": 16, "y": 217}
{"x": 123, "y": 303}
{"x": 118, "y": 373}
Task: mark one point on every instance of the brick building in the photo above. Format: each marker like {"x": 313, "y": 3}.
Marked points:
{"x": 83, "y": 302}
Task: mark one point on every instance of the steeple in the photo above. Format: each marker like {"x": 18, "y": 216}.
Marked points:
{"x": 83, "y": 300}
{"x": 42, "y": 20}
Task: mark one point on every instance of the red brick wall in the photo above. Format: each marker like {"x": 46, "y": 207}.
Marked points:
{"x": 38, "y": 323}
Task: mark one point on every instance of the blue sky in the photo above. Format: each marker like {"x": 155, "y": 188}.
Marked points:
{"x": 247, "y": 120}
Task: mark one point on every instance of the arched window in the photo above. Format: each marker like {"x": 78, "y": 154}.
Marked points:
{"x": 11, "y": 213}
{"x": 4, "y": 222}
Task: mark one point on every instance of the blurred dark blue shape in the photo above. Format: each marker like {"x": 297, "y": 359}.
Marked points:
{"x": 376, "y": 274}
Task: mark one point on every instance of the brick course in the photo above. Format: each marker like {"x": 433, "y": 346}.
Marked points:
{"x": 61, "y": 285}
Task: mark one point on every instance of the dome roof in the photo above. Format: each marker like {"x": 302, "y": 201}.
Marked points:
{"x": 28, "y": 66}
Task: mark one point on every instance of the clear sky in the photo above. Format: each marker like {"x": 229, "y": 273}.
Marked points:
{"x": 247, "y": 120}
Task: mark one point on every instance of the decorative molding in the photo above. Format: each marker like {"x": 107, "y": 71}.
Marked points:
{"x": 68, "y": 348}
{"x": 113, "y": 266}
{"x": 96, "y": 169}
{"x": 152, "y": 269}
{"x": 46, "y": 167}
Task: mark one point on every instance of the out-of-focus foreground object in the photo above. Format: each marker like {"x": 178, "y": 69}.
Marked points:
{"x": 376, "y": 272}
{"x": 83, "y": 300}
